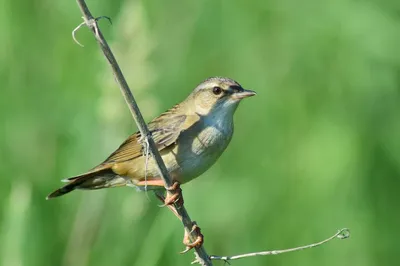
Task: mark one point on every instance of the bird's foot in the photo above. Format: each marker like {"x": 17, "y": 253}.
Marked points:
{"x": 198, "y": 242}
{"x": 174, "y": 195}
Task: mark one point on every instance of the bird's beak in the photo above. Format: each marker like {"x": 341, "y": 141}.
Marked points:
{"x": 243, "y": 94}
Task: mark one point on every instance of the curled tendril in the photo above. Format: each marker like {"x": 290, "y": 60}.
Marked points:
{"x": 343, "y": 233}
{"x": 92, "y": 24}
{"x": 104, "y": 17}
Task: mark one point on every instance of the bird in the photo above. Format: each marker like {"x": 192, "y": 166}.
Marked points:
{"x": 190, "y": 137}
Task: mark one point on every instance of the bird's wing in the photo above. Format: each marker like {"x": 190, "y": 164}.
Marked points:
{"x": 164, "y": 135}
{"x": 165, "y": 130}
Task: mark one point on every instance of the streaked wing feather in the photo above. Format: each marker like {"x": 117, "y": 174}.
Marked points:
{"x": 129, "y": 149}
{"x": 163, "y": 137}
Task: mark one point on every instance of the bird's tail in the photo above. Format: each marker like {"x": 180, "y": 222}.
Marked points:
{"x": 102, "y": 178}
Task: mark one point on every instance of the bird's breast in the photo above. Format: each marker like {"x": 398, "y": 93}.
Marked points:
{"x": 199, "y": 147}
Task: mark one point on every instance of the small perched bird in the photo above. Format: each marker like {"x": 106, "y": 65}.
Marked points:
{"x": 190, "y": 138}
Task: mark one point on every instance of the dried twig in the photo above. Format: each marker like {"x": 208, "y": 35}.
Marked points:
{"x": 341, "y": 234}
{"x": 91, "y": 22}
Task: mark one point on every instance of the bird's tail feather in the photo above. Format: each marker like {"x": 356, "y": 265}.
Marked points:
{"x": 103, "y": 178}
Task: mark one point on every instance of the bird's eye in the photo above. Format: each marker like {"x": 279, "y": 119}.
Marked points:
{"x": 217, "y": 90}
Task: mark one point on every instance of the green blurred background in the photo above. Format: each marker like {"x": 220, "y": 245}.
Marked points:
{"x": 318, "y": 149}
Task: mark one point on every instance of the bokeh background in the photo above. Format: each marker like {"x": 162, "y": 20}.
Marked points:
{"x": 318, "y": 149}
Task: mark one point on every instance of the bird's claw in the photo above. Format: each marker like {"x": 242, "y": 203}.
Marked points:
{"x": 198, "y": 242}
{"x": 175, "y": 197}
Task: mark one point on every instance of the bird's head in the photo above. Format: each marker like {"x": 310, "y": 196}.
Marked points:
{"x": 218, "y": 95}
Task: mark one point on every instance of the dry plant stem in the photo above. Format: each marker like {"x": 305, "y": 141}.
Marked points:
{"x": 91, "y": 22}
{"x": 341, "y": 234}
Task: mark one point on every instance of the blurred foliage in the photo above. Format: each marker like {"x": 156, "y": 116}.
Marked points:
{"x": 318, "y": 149}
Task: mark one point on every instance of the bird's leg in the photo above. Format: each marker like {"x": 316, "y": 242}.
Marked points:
{"x": 198, "y": 242}
{"x": 174, "y": 192}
